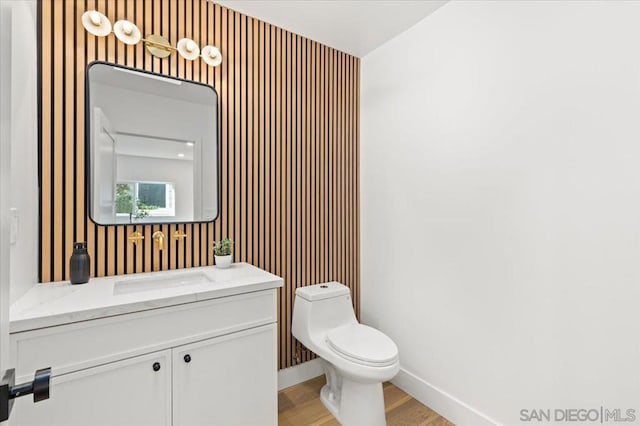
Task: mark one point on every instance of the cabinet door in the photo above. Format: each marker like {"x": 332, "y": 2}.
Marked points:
{"x": 228, "y": 380}
{"x": 130, "y": 392}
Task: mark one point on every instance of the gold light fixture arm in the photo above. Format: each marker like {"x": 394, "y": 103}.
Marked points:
{"x": 158, "y": 46}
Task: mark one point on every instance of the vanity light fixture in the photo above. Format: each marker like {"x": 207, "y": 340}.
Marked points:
{"x": 127, "y": 32}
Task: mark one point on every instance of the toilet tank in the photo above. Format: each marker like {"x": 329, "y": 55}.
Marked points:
{"x": 321, "y": 307}
{"x": 312, "y": 293}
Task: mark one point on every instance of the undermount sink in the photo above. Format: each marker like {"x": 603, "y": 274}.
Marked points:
{"x": 159, "y": 282}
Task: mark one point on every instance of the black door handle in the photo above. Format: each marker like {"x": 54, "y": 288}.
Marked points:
{"x": 187, "y": 358}
{"x": 39, "y": 387}
{"x": 156, "y": 366}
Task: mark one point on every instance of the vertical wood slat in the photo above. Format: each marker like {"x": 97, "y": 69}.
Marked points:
{"x": 57, "y": 149}
{"x": 287, "y": 241}
{"x": 288, "y": 128}
{"x": 255, "y": 148}
{"x": 263, "y": 78}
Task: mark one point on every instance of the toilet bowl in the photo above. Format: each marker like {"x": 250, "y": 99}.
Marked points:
{"x": 356, "y": 358}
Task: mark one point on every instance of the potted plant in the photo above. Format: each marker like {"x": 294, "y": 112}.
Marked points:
{"x": 223, "y": 253}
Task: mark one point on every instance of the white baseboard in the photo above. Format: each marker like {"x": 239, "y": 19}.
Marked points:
{"x": 441, "y": 402}
{"x": 300, "y": 373}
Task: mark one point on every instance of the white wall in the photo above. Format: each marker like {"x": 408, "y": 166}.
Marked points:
{"x": 24, "y": 146}
{"x": 501, "y": 205}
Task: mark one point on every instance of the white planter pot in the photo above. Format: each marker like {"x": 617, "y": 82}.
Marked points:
{"x": 224, "y": 261}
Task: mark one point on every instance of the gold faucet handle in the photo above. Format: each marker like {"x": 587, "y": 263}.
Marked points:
{"x": 179, "y": 235}
{"x": 136, "y": 237}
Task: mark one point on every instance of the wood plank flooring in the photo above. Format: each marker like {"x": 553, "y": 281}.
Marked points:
{"x": 300, "y": 405}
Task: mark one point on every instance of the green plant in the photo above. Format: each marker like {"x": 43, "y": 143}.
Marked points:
{"x": 143, "y": 210}
{"x": 124, "y": 198}
{"x": 223, "y": 247}
{"x": 125, "y": 202}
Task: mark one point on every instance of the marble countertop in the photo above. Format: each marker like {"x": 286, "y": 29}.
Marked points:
{"x": 51, "y": 304}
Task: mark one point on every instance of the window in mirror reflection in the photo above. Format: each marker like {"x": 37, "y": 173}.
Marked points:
{"x": 137, "y": 201}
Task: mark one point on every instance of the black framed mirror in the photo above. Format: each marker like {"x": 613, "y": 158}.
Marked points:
{"x": 152, "y": 151}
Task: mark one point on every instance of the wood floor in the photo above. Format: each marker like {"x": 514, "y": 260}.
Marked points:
{"x": 300, "y": 405}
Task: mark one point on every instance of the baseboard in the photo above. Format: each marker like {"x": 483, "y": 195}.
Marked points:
{"x": 441, "y": 402}
{"x": 300, "y": 373}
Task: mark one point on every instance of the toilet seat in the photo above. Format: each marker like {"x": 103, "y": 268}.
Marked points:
{"x": 363, "y": 345}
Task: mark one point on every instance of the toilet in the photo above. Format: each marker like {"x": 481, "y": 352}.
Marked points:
{"x": 356, "y": 358}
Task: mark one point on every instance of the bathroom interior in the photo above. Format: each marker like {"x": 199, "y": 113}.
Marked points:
{"x": 319, "y": 212}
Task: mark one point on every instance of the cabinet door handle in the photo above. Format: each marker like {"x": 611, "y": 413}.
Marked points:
{"x": 156, "y": 366}
{"x": 187, "y": 358}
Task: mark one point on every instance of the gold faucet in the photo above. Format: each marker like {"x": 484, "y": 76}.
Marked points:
{"x": 158, "y": 237}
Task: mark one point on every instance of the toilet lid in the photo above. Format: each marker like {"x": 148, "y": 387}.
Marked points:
{"x": 362, "y": 343}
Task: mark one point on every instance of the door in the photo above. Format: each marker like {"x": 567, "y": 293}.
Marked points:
{"x": 5, "y": 176}
{"x": 228, "y": 380}
{"x": 103, "y": 169}
{"x": 135, "y": 392}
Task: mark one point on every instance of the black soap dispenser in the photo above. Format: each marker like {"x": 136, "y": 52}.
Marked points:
{"x": 79, "y": 264}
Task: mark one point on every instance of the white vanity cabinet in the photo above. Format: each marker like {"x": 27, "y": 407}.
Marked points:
{"x": 127, "y": 392}
{"x": 204, "y": 362}
{"x": 235, "y": 389}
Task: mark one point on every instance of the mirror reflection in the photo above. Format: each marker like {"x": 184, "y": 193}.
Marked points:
{"x": 152, "y": 147}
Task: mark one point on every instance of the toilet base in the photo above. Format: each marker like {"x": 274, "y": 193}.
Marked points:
{"x": 330, "y": 401}
{"x": 353, "y": 403}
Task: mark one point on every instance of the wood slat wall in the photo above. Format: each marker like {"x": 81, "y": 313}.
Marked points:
{"x": 289, "y": 130}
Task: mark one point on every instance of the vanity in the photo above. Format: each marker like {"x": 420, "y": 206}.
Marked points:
{"x": 182, "y": 347}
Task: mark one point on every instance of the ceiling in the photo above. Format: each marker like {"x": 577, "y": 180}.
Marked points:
{"x": 355, "y": 27}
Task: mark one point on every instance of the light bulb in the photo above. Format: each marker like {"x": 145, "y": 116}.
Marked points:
{"x": 127, "y": 32}
{"x": 212, "y": 56}
{"x": 188, "y": 49}
{"x": 95, "y": 17}
{"x": 96, "y": 23}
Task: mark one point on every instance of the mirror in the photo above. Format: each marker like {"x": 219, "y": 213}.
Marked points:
{"x": 152, "y": 149}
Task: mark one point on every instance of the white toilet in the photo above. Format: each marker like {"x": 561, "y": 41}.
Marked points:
{"x": 356, "y": 358}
